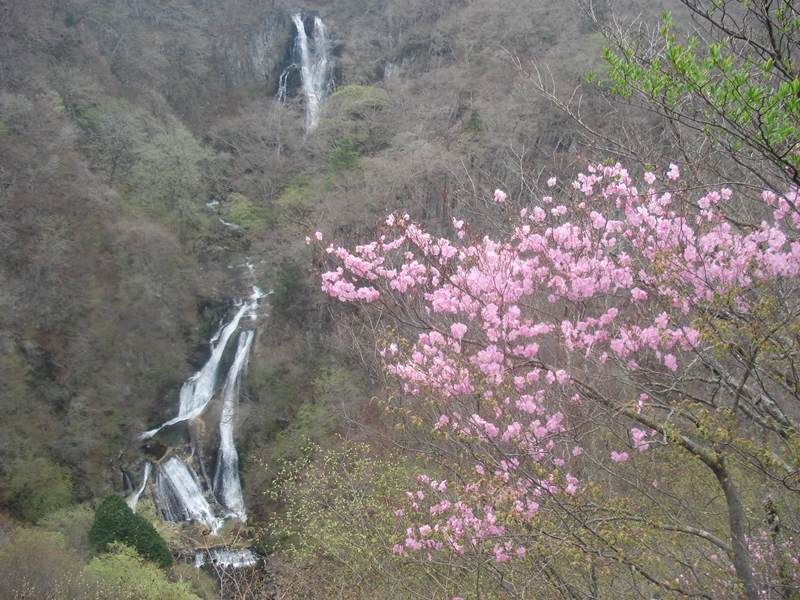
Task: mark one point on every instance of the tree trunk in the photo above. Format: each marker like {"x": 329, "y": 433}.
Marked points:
{"x": 740, "y": 555}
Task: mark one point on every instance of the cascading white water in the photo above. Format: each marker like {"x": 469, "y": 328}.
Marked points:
{"x": 177, "y": 488}
{"x": 283, "y": 83}
{"x": 227, "y": 487}
{"x": 198, "y": 390}
{"x": 222, "y": 557}
{"x": 133, "y": 499}
{"x": 315, "y": 67}
{"x": 177, "y": 482}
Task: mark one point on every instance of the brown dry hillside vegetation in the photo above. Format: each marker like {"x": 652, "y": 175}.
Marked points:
{"x": 103, "y": 297}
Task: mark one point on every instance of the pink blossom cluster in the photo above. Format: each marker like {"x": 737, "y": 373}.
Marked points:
{"x": 639, "y": 263}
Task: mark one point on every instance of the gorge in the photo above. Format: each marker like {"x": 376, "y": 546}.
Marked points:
{"x": 147, "y": 146}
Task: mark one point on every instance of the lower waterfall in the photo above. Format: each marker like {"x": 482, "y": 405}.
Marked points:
{"x": 180, "y": 488}
{"x": 227, "y": 487}
{"x": 180, "y": 496}
{"x": 133, "y": 499}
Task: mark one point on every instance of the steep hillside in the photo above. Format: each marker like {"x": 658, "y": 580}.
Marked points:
{"x": 144, "y": 158}
{"x": 121, "y": 120}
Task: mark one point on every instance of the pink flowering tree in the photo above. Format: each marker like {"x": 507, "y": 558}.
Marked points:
{"x": 611, "y": 390}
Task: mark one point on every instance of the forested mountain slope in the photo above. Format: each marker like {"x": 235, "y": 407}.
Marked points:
{"x": 149, "y": 175}
{"x": 121, "y": 120}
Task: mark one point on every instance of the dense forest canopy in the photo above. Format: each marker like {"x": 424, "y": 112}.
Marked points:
{"x": 553, "y": 390}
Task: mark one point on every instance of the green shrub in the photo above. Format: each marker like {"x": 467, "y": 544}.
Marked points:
{"x": 361, "y": 112}
{"x": 245, "y": 214}
{"x": 35, "y": 564}
{"x": 344, "y": 157}
{"x": 123, "y": 574}
{"x": 73, "y": 523}
{"x": 35, "y": 487}
{"x": 474, "y": 123}
{"x": 296, "y": 199}
{"x": 114, "y": 521}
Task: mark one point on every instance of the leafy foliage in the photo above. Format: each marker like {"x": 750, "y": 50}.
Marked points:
{"x": 166, "y": 180}
{"x": 344, "y": 157}
{"x": 474, "y": 123}
{"x": 35, "y": 564}
{"x": 338, "y": 519}
{"x": 74, "y": 524}
{"x": 122, "y": 573}
{"x": 360, "y": 112}
{"x": 737, "y": 84}
{"x": 240, "y": 211}
{"x": 115, "y": 522}
{"x": 37, "y": 487}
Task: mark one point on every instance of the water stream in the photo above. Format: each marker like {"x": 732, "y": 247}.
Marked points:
{"x": 179, "y": 492}
{"x": 311, "y": 56}
{"x": 180, "y": 496}
{"x": 227, "y": 487}
{"x": 133, "y": 499}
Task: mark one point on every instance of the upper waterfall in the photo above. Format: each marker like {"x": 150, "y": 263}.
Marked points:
{"x": 311, "y": 56}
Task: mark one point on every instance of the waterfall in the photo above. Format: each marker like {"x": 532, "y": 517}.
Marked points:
{"x": 198, "y": 390}
{"x": 177, "y": 489}
{"x": 312, "y": 58}
{"x": 181, "y": 497}
{"x": 127, "y": 484}
{"x": 222, "y": 557}
{"x": 227, "y": 488}
{"x": 134, "y": 498}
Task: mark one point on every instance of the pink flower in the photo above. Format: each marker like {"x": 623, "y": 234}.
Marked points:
{"x": 577, "y": 451}
{"x": 650, "y": 178}
{"x": 500, "y": 556}
{"x": 458, "y": 330}
{"x": 638, "y": 436}
{"x": 500, "y": 196}
{"x": 551, "y": 182}
{"x": 572, "y": 485}
{"x": 318, "y": 235}
{"x": 619, "y": 456}
{"x": 674, "y": 172}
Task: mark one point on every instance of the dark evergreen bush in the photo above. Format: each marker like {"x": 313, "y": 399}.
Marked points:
{"x": 114, "y": 521}
{"x": 344, "y": 157}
